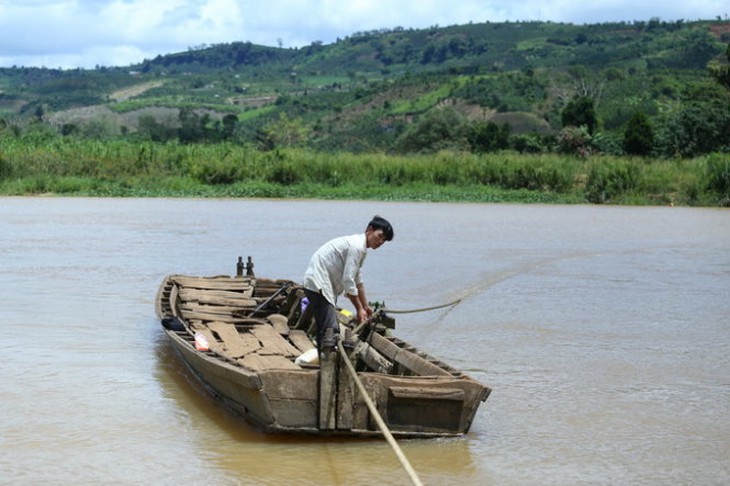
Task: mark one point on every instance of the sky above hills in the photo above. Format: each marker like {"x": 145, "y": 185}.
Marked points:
{"x": 88, "y": 33}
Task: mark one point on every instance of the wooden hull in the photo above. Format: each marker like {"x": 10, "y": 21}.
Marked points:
{"x": 251, "y": 365}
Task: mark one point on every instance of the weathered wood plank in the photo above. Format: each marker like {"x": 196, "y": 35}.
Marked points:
{"x": 272, "y": 342}
{"x": 328, "y": 391}
{"x": 427, "y": 393}
{"x": 293, "y": 385}
{"x": 300, "y": 340}
{"x": 280, "y": 323}
{"x": 204, "y": 316}
{"x": 206, "y": 296}
{"x": 212, "y": 309}
{"x": 209, "y": 299}
{"x": 407, "y": 359}
{"x": 236, "y": 344}
{"x": 345, "y": 398}
{"x": 221, "y": 283}
{"x": 374, "y": 360}
{"x": 257, "y": 362}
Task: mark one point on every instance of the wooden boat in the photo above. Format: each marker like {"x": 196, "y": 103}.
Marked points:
{"x": 256, "y": 328}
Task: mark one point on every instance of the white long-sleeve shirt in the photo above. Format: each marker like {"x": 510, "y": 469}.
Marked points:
{"x": 335, "y": 267}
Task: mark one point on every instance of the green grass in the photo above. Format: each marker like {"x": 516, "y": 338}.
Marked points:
{"x": 66, "y": 166}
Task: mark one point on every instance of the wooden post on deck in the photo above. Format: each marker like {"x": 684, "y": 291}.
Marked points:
{"x": 327, "y": 390}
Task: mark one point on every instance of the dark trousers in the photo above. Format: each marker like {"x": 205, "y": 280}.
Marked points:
{"x": 324, "y": 315}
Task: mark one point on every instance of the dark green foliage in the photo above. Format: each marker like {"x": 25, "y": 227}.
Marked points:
{"x": 721, "y": 70}
{"x": 529, "y": 143}
{"x": 488, "y": 137}
{"x": 437, "y": 130}
{"x": 718, "y": 175}
{"x": 700, "y": 126}
{"x": 217, "y": 172}
{"x": 608, "y": 181}
{"x": 580, "y": 112}
{"x": 639, "y": 135}
{"x": 6, "y": 169}
{"x": 151, "y": 129}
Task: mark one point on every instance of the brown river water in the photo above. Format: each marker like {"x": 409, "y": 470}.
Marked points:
{"x": 603, "y": 331}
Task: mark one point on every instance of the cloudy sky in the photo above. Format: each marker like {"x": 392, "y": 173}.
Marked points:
{"x": 86, "y": 33}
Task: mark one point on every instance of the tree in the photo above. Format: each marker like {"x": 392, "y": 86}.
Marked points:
{"x": 151, "y": 129}
{"x": 230, "y": 122}
{"x": 192, "y": 126}
{"x": 489, "y": 137}
{"x": 639, "y": 135}
{"x": 580, "y": 112}
{"x": 721, "y": 71}
{"x": 438, "y": 129}
{"x": 283, "y": 132}
{"x": 700, "y": 125}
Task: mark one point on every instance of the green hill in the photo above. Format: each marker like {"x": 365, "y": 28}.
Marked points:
{"x": 392, "y": 89}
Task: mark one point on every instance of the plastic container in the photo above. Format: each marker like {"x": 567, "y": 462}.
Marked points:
{"x": 201, "y": 344}
{"x": 311, "y": 357}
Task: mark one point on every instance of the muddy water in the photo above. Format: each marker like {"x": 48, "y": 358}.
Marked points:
{"x": 604, "y": 332}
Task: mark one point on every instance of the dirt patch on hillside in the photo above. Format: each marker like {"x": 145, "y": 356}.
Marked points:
{"x": 132, "y": 91}
{"x": 719, "y": 30}
{"x": 81, "y": 115}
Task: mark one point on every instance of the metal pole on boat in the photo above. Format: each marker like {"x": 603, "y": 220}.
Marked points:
{"x": 378, "y": 419}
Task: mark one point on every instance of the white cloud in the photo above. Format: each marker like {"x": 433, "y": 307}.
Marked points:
{"x": 86, "y": 33}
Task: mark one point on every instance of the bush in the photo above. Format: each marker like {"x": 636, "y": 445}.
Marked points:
{"x": 639, "y": 135}
{"x": 285, "y": 173}
{"x": 216, "y": 172}
{"x": 437, "y": 130}
{"x": 575, "y": 141}
{"x": 528, "y": 144}
{"x": 6, "y": 169}
{"x": 718, "y": 175}
{"x": 580, "y": 112}
{"x": 606, "y": 182}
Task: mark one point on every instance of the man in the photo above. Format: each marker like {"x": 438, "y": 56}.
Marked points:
{"x": 335, "y": 269}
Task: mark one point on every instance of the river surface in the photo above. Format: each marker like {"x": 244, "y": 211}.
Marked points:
{"x": 603, "y": 331}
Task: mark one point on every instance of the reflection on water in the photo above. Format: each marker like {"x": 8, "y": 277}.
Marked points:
{"x": 602, "y": 330}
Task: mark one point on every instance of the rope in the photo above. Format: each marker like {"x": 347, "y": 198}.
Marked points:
{"x": 378, "y": 419}
{"x": 394, "y": 311}
{"x": 423, "y": 309}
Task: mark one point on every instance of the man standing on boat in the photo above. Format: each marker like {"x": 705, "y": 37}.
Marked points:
{"x": 335, "y": 269}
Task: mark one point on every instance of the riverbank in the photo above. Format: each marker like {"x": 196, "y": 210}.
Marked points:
{"x": 146, "y": 169}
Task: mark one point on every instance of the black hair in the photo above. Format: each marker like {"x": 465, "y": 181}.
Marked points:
{"x": 378, "y": 223}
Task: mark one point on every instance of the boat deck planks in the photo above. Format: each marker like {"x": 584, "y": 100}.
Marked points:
{"x": 217, "y": 297}
{"x": 258, "y": 362}
{"x": 280, "y": 323}
{"x": 273, "y": 343}
{"x": 236, "y": 344}
{"x": 214, "y": 283}
{"x": 300, "y": 340}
